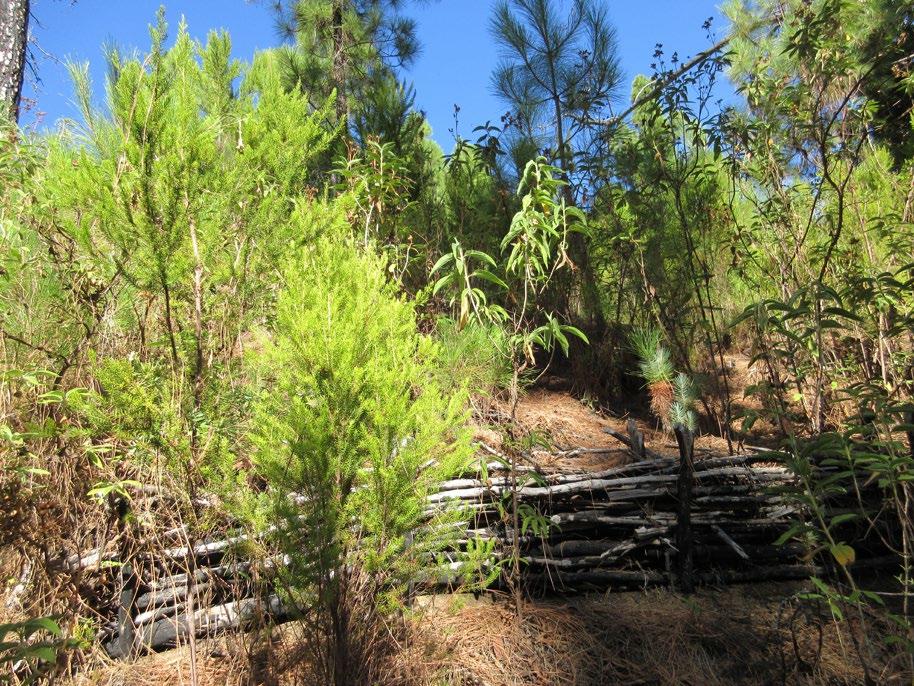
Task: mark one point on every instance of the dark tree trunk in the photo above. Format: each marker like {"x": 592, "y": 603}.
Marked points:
{"x": 340, "y": 61}
{"x": 684, "y": 487}
{"x": 14, "y": 22}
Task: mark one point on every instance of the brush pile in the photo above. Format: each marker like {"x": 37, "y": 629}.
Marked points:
{"x": 615, "y": 528}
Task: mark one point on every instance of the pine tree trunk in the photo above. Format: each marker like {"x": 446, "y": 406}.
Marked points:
{"x": 577, "y": 244}
{"x": 14, "y": 20}
{"x": 339, "y": 64}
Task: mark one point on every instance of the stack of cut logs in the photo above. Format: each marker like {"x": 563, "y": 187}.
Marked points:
{"x": 621, "y": 527}
{"x": 617, "y": 527}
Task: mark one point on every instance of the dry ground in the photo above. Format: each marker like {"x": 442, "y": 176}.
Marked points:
{"x": 566, "y": 422}
{"x": 750, "y": 635}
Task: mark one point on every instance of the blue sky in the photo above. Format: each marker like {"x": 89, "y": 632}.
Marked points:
{"x": 458, "y": 53}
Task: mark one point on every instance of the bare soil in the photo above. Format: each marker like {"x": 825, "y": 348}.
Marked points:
{"x": 563, "y": 423}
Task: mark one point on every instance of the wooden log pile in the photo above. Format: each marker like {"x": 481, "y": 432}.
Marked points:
{"x": 189, "y": 592}
{"x": 622, "y": 527}
{"x": 619, "y": 527}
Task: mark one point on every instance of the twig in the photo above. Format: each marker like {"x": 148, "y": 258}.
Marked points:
{"x": 729, "y": 541}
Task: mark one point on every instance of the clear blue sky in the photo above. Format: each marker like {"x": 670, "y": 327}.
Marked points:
{"x": 458, "y": 53}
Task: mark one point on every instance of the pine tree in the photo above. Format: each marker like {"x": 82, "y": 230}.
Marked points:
{"x": 352, "y": 40}
{"x": 557, "y": 73}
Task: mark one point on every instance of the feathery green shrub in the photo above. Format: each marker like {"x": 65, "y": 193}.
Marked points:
{"x": 353, "y": 429}
{"x": 474, "y": 356}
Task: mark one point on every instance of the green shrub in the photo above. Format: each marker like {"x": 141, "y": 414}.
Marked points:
{"x": 672, "y": 395}
{"x": 134, "y": 401}
{"x": 29, "y": 650}
{"x": 475, "y": 356}
{"x": 353, "y": 421}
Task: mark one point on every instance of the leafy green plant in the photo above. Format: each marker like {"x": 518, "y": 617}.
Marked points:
{"x": 533, "y": 250}
{"x": 376, "y": 181}
{"x": 828, "y": 468}
{"x": 119, "y": 488}
{"x": 29, "y": 649}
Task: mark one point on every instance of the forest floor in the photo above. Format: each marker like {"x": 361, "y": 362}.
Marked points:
{"x": 563, "y": 422}
{"x": 741, "y": 635}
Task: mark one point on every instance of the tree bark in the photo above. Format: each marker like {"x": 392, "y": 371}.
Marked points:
{"x": 14, "y": 22}
{"x": 340, "y": 61}
{"x": 684, "y": 539}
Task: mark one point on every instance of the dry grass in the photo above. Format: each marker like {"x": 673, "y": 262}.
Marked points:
{"x": 214, "y": 668}
{"x": 747, "y": 635}
{"x": 736, "y": 636}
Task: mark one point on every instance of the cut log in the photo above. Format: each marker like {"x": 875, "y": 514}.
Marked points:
{"x": 170, "y": 596}
{"x": 636, "y": 440}
{"x": 598, "y": 578}
{"x": 165, "y": 633}
{"x": 684, "y": 485}
{"x": 615, "y": 528}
